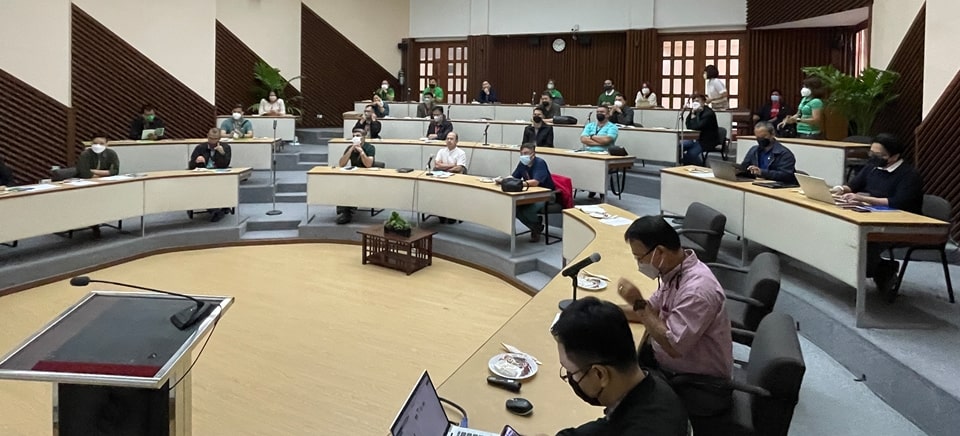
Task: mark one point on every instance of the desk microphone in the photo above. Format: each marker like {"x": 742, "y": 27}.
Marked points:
{"x": 429, "y": 161}
{"x": 448, "y": 114}
{"x": 533, "y": 100}
{"x": 574, "y": 269}
{"x": 589, "y": 116}
{"x": 183, "y": 319}
{"x": 485, "y": 134}
{"x": 274, "y": 127}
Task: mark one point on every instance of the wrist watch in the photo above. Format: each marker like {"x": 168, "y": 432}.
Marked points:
{"x": 639, "y": 305}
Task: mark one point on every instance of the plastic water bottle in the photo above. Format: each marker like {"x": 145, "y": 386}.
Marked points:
{"x": 296, "y": 140}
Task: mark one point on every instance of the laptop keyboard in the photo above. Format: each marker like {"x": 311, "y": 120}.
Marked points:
{"x": 469, "y": 433}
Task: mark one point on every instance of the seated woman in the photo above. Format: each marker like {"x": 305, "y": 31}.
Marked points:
{"x": 272, "y": 105}
{"x": 645, "y": 97}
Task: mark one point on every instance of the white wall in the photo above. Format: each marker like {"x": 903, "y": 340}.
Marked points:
{"x": 375, "y": 26}
{"x": 460, "y": 18}
{"x": 941, "y": 62}
{"x": 891, "y": 20}
{"x": 177, "y": 35}
{"x": 35, "y": 44}
{"x": 271, "y": 28}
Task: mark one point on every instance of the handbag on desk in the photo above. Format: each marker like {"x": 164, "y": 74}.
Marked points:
{"x": 616, "y": 150}
{"x": 512, "y": 185}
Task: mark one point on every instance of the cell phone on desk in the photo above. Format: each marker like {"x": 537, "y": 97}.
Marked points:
{"x": 508, "y": 431}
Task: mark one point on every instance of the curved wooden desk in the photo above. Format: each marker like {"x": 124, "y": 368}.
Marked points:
{"x": 26, "y": 213}
{"x": 822, "y": 235}
{"x": 555, "y": 405}
{"x": 589, "y": 171}
{"x": 461, "y": 196}
{"x": 826, "y": 159}
{"x": 173, "y": 154}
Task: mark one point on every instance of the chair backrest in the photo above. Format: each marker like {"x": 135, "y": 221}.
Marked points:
{"x": 61, "y": 174}
{"x": 763, "y": 284}
{"x": 776, "y": 364}
{"x": 722, "y": 132}
{"x": 564, "y": 186}
{"x": 936, "y": 207}
{"x": 702, "y": 217}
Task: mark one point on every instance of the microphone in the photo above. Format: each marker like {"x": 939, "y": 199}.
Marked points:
{"x": 448, "y": 112}
{"x": 274, "y": 124}
{"x": 485, "y": 134}
{"x": 429, "y": 161}
{"x": 574, "y": 269}
{"x": 533, "y": 100}
{"x": 183, "y": 319}
{"x": 589, "y": 115}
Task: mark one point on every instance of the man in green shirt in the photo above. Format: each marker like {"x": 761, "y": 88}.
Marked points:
{"x": 238, "y": 127}
{"x": 97, "y": 160}
{"x": 434, "y": 90}
{"x": 385, "y": 92}
{"x": 358, "y": 154}
{"x": 609, "y": 95}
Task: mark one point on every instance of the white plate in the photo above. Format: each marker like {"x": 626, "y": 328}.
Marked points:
{"x": 600, "y": 215}
{"x": 591, "y": 283}
{"x": 513, "y": 366}
{"x": 485, "y": 180}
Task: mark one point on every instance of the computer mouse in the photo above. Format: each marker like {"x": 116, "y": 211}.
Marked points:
{"x": 520, "y": 406}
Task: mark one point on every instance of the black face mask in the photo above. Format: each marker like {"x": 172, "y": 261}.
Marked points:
{"x": 607, "y": 87}
{"x": 537, "y": 119}
{"x": 763, "y": 142}
{"x": 593, "y": 401}
{"x": 601, "y": 117}
{"x": 877, "y": 160}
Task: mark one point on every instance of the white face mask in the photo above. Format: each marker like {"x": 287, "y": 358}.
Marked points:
{"x": 695, "y": 105}
{"x": 704, "y": 75}
{"x": 549, "y": 86}
{"x": 618, "y": 103}
{"x": 356, "y": 140}
{"x": 273, "y": 98}
{"x": 805, "y": 92}
{"x": 649, "y": 270}
{"x": 98, "y": 148}
{"x": 237, "y": 116}
{"x": 774, "y": 98}
{"x": 384, "y": 86}
{"x": 645, "y": 91}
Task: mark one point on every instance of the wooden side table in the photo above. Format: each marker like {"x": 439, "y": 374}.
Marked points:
{"x": 407, "y": 254}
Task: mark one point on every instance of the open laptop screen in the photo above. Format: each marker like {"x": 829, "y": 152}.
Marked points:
{"x": 422, "y": 414}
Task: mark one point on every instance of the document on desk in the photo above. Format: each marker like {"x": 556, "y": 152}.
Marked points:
{"x": 616, "y": 221}
{"x": 118, "y": 177}
{"x": 80, "y": 183}
{"x": 38, "y": 187}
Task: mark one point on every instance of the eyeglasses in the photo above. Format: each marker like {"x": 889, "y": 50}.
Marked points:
{"x": 639, "y": 258}
{"x": 567, "y": 375}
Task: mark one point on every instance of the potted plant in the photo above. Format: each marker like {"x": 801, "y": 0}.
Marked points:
{"x": 397, "y": 225}
{"x": 269, "y": 79}
{"x": 859, "y": 98}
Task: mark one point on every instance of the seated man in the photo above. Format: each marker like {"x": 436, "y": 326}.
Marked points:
{"x": 148, "y": 120}
{"x": 451, "y": 159}
{"x": 238, "y": 127}
{"x": 434, "y": 90}
{"x": 597, "y": 358}
{"x": 368, "y": 123}
{"x": 97, "y": 160}
{"x": 689, "y": 332}
{"x": 701, "y": 118}
{"x": 601, "y": 134}
{"x": 621, "y": 113}
{"x": 534, "y": 172}
{"x": 538, "y": 132}
{"x": 769, "y": 159}
{"x": 886, "y": 180}
{"x": 550, "y": 107}
{"x": 425, "y": 108}
{"x": 385, "y": 92}
{"x": 212, "y": 154}
{"x": 358, "y": 154}
{"x": 487, "y": 94}
{"x": 439, "y": 127}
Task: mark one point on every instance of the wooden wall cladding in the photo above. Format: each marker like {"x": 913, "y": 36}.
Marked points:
{"x": 762, "y": 13}
{"x": 111, "y": 80}
{"x": 938, "y": 150}
{"x": 336, "y": 72}
{"x": 904, "y": 115}
{"x": 234, "y": 74}
{"x": 33, "y": 130}
{"x": 643, "y": 53}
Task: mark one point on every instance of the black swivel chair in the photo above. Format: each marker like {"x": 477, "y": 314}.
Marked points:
{"x": 751, "y": 293}
{"x": 856, "y": 159}
{"x": 937, "y": 208}
{"x": 702, "y": 231}
{"x": 723, "y": 147}
{"x": 553, "y": 207}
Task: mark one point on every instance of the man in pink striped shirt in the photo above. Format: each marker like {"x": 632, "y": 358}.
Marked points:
{"x": 686, "y": 321}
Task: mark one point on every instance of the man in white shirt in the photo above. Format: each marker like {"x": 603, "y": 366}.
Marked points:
{"x": 451, "y": 159}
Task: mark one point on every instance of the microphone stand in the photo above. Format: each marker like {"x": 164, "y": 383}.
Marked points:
{"x": 485, "y": 134}
{"x": 273, "y": 165}
{"x": 680, "y": 128}
{"x": 567, "y": 302}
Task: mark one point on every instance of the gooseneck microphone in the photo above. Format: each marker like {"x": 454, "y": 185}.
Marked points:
{"x": 429, "y": 161}
{"x": 589, "y": 116}
{"x": 574, "y": 269}
{"x": 183, "y": 319}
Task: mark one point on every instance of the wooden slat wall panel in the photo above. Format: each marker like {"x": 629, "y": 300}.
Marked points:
{"x": 938, "y": 150}
{"x": 904, "y": 115}
{"x": 336, "y": 72}
{"x": 643, "y": 54}
{"x": 234, "y": 75}
{"x": 33, "y": 130}
{"x": 111, "y": 80}
{"x": 762, "y": 13}
{"x": 479, "y": 55}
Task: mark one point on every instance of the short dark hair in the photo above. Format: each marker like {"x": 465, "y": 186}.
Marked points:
{"x": 437, "y": 109}
{"x": 368, "y": 106}
{"x": 99, "y": 135}
{"x": 547, "y": 94}
{"x": 617, "y": 94}
{"x": 238, "y": 106}
{"x": 529, "y": 146}
{"x": 147, "y": 107}
{"x": 766, "y": 125}
{"x": 596, "y": 332}
{"x": 889, "y": 143}
{"x": 653, "y": 230}
{"x": 712, "y": 71}
{"x": 359, "y": 130}
{"x": 700, "y": 96}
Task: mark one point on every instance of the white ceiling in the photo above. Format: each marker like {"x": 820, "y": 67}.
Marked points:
{"x": 840, "y": 19}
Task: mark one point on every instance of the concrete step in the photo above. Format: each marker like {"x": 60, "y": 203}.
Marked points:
{"x": 266, "y": 224}
{"x": 256, "y": 193}
{"x": 313, "y": 157}
{"x": 318, "y": 136}
{"x": 300, "y": 166}
{"x": 534, "y": 279}
{"x": 270, "y": 234}
{"x": 292, "y": 197}
{"x": 283, "y": 188}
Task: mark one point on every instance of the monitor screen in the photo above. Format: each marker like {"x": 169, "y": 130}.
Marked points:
{"x": 422, "y": 414}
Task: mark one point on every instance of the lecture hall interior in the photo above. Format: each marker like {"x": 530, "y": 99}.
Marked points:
{"x": 398, "y": 217}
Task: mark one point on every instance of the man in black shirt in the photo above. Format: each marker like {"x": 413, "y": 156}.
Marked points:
{"x": 439, "y": 127}
{"x": 538, "y": 132}
{"x": 368, "y": 123}
{"x": 598, "y": 360}
{"x": 886, "y": 180}
{"x": 212, "y": 154}
{"x": 621, "y": 112}
{"x": 148, "y": 120}
{"x": 701, "y": 118}
{"x": 550, "y": 108}
{"x": 769, "y": 159}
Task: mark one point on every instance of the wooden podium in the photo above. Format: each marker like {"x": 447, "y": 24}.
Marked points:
{"x": 118, "y": 365}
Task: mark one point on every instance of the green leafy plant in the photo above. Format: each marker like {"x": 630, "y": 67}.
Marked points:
{"x": 858, "y": 98}
{"x": 396, "y": 223}
{"x": 269, "y": 79}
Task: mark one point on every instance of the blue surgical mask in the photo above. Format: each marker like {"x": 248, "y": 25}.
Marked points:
{"x": 525, "y": 159}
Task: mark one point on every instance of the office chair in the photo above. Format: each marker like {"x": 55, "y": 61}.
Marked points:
{"x": 723, "y": 147}
{"x": 937, "y": 208}
{"x": 702, "y": 231}
{"x": 751, "y": 292}
{"x": 558, "y": 202}
{"x": 856, "y": 159}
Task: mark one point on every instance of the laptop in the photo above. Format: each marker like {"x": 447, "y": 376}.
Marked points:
{"x": 724, "y": 170}
{"x": 423, "y": 415}
{"x": 816, "y": 188}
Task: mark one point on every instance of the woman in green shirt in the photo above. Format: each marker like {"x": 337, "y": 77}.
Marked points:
{"x": 809, "y": 116}
{"x": 555, "y": 93}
